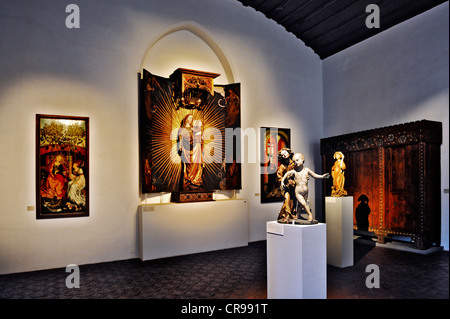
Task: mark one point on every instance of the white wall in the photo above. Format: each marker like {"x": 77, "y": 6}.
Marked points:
{"x": 92, "y": 71}
{"x": 400, "y": 75}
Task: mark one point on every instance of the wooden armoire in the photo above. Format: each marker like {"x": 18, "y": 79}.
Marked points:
{"x": 398, "y": 169}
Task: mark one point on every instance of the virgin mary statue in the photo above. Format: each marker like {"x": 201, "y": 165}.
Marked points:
{"x": 189, "y": 145}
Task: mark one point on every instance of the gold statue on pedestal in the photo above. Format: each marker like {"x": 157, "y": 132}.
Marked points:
{"x": 337, "y": 172}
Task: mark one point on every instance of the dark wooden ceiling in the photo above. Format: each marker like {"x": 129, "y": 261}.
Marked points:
{"x": 330, "y": 26}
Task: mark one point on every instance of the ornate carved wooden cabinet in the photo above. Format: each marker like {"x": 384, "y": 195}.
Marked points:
{"x": 398, "y": 169}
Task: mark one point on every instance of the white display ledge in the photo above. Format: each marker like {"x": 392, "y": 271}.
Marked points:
{"x": 173, "y": 229}
{"x": 296, "y": 261}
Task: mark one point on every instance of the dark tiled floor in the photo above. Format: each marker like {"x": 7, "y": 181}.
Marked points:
{"x": 403, "y": 275}
{"x": 238, "y": 273}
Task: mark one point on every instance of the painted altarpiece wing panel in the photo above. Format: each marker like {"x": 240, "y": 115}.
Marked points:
{"x": 62, "y": 166}
{"x": 160, "y": 127}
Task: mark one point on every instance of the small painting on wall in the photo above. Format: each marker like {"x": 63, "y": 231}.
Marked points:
{"x": 272, "y": 141}
{"x": 62, "y": 166}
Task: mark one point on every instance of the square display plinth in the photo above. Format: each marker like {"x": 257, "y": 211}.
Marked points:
{"x": 296, "y": 261}
{"x": 339, "y": 220}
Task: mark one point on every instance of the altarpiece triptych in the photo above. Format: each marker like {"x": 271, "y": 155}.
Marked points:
{"x": 188, "y": 137}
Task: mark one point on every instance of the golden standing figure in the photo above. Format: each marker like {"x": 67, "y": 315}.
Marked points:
{"x": 189, "y": 142}
{"x": 337, "y": 172}
{"x": 288, "y": 210}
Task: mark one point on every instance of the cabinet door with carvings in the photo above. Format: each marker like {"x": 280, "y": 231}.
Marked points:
{"x": 365, "y": 181}
{"x": 402, "y": 188}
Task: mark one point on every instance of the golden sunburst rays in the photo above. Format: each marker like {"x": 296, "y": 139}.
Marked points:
{"x": 165, "y": 124}
{"x": 213, "y": 138}
{"x": 163, "y": 147}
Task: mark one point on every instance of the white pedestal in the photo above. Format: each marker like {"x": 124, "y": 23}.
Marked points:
{"x": 173, "y": 229}
{"x": 296, "y": 261}
{"x": 339, "y": 220}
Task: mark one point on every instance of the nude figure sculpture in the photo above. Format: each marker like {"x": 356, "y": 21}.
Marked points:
{"x": 300, "y": 175}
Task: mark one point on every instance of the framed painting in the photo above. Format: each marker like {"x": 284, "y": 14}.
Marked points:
{"x": 62, "y": 166}
{"x": 272, "y": 141}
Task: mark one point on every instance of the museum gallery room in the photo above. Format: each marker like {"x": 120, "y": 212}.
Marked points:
{"x": 219, "y": 150}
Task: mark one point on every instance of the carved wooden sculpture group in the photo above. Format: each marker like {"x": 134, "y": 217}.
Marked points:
{"x": 294, "y": 185}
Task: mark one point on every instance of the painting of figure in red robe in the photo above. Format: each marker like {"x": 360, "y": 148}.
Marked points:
{"x": 62, "y": 174}
{"x": 273, "y": 140}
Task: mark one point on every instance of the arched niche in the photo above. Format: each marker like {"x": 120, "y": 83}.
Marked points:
{"x": 187, "y": 45}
